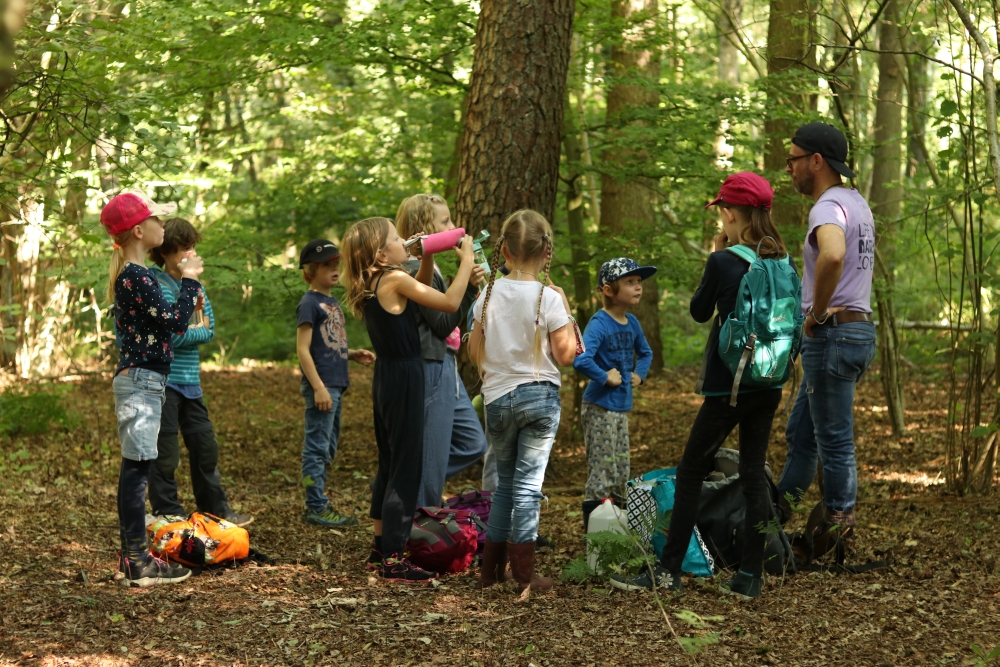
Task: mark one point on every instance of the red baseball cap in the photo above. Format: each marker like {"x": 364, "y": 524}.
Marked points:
{"x": 128, "y": 209}
{"x": 745, "y": 189}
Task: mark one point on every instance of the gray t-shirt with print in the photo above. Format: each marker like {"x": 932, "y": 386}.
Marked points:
{"x": 847, "y": 209}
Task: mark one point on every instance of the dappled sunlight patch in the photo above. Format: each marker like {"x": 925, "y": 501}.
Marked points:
{"x": 915, "y": 478}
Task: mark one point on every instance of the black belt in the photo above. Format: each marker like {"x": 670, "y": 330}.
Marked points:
{"x": 845, "y": 317}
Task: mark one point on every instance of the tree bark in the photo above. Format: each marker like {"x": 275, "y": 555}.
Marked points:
{"x": 726, "y": 23}
{"x": 886, "y": 199}
{"x": 514, "y": 119}
{"x": 628, "y": 205}
{"x": 790, "y": 54}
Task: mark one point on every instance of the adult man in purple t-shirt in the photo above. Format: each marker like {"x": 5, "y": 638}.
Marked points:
{"x": 839, "y": 337}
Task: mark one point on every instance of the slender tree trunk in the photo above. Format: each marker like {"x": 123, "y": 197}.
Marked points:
{"x": 886, "y": 199}
{"x": 628, "y": 204}
{"x": 514, "y": 120}
{"x": 789, "y": 88}
{"x": 726, "y": 23}
{"x": 12, "y": 14}
{"x": 582, "y": 293}
{"x": 990, "y": 98}
{"x": 918, "y": 92}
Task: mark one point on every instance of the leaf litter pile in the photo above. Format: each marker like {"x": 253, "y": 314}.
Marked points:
{"x": 938, "y": 604}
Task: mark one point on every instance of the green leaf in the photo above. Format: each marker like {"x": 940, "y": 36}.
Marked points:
{"x": 983, "y": 431}
{"x": 948, "y": 107}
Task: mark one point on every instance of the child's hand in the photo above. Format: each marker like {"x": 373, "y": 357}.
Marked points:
{"x": 721, "y": 241}
{"x": 562, "y": 295}
{"x": 192, "y": 266}
{"x": 614, "y": 378}
{"x": 636, "y": 380}
{"x": 465, "y": 251}
{"x": 478, "y": 275}
{"x": 323, "y": 400}
{"x": 363, "y": 357}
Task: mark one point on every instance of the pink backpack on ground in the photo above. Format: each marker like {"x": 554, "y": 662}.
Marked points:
{"x": 477, "y": 502}
{"x": 443, "y": 540}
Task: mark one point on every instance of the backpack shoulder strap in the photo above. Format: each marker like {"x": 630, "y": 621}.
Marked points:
{"x": 743, "y": 253}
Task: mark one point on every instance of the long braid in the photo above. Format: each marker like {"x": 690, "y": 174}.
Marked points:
{"x": 536, "y": 347}
{"x": 494, "y": 267}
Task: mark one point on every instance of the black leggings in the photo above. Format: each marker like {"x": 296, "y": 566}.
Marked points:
{"x": 754, "y": 413}
{"x": 132, "y": 508}
{"x": 398, "y": 403}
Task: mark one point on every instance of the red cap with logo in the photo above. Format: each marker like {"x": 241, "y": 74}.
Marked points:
{"x": 745, "y": 189}
{"x": 130, "y": 208}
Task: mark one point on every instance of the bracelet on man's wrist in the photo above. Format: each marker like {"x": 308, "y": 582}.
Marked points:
{"x": 826, "y": 315}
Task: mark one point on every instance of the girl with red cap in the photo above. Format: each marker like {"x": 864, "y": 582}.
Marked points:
{"x": 144, "y": 322}
{"x": 744, "y": 203}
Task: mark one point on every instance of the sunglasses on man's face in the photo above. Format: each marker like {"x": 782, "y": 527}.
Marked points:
{"x": 790, "y": 160}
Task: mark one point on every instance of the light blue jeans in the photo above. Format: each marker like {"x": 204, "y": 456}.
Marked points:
{"x": 521, "y": 428}
{"x": 139, "y": 396}
{"x": 320, "y": 444}
{"x": 821, "y": 426}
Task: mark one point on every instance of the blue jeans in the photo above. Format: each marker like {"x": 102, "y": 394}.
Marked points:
{"x": 521, "y": 428}
{"x": 821, "y": 425}
{"x": 320, "y": 444}
{"x": 139, "y": 396}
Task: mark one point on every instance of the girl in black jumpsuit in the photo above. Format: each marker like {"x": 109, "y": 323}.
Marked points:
{"x": 381, "y": 294}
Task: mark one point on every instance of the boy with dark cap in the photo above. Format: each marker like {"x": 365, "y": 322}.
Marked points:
{"x": 321, "y": 343}
{"x": 616, "y": 359}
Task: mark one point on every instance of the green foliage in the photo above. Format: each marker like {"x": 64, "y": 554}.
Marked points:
{"x": 616, "y": 553}
{"x": 33, "y": 410}
{"x": 984, "y": 658}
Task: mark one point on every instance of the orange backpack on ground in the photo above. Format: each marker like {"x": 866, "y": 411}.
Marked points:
{"x": 203, "y": 540}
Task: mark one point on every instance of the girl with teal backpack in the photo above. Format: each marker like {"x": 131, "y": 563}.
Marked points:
{"x": 752, "y": 286}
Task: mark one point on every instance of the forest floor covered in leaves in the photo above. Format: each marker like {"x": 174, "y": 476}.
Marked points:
{"x": 318, "y": 606}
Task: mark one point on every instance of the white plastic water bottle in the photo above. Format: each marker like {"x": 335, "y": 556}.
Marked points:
{"x": 607, "y": 517}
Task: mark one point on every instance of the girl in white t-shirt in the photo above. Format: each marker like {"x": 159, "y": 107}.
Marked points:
{"x": 519, "y": 339}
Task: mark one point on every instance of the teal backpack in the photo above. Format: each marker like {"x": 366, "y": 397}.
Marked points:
{"x": 759, "y": 340}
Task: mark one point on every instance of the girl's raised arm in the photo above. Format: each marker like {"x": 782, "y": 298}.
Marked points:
{"x": 405, "y": 285}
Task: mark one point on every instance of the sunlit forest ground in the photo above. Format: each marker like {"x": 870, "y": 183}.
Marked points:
{"x": 318, "y": 606}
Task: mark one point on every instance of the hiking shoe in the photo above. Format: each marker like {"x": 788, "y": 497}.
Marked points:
{"x": 665, "y": 579}
{"x": 241, "y": 520}
{"x": 328, "y": 517}
{"x": 744, "y": 586}
{"x": 151, "y": 571}
{"x": 403, "y": 571}
{"x": 374, "y": 560}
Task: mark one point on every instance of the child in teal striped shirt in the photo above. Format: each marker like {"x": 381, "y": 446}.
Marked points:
{"x": 184, "y": 409}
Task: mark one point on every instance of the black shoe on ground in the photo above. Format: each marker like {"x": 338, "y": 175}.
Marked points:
{"x": 665, "y": 579}
{"x": 403, "y": 571}
{"x": 374, "y": 560}
{"x": 543, "y": 543}
{"x": 151, "y": 572}
{"x": 241, "y": 520}
{"x": 744, "y": 586}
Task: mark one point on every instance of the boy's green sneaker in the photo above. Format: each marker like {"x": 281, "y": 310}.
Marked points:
{"x": 328, "y": 517}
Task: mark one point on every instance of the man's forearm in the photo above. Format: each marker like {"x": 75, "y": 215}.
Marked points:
{"x": 828, "y": 270}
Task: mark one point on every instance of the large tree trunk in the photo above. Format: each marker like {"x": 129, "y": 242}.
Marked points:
{"x": 628, "y": 206}
{"x": 790, "y": 53}
{"x": 886, "y": 199}
{"x": 514, "y": 118}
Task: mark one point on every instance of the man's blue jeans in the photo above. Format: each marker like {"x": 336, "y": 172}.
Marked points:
{"x": 821, "y": 425}
{"x": 320, "y": 445}
{"x": 521, "y": 428}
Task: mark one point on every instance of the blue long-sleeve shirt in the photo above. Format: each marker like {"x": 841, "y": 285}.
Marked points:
{"x": 185, "y": 371}
{"x": 611, "y": 344}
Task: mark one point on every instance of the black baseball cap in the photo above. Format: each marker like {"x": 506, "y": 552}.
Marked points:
{"x": 318, "y": 250}
{"x": 826, "y": 140}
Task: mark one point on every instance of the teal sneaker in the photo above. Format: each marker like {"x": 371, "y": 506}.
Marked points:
{"x": 646, "y": 581}
{"x": 328, "y": 517}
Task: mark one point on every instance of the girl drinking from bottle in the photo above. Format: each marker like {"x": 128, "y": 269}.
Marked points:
{"x": 144, "y": 322}
{"x": 520, "y": 336}
{"x": 386, "y": 297}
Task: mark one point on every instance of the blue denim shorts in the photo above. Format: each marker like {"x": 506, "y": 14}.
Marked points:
{"x": 139, "y": 397}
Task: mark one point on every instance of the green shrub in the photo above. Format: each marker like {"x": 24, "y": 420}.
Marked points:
{"x": 33, "y": 410}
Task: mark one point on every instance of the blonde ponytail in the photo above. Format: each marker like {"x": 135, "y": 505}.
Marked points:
{"x": 536, "y": 347}
{"x": 117, "y": 262}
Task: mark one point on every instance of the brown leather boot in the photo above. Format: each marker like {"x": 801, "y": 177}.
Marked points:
{"x": 522, "y": 564}
{"x": 494, "y": 563}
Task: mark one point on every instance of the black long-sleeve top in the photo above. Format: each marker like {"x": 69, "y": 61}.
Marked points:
{"x": 436, "y": 325}
{"x": 720, "y": 284}
{"x": 145, "y": 320}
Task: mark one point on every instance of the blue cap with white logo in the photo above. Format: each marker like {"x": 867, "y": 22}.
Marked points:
{"x": 620, "y": 267}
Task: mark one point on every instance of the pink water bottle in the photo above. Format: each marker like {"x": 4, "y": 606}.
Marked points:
{"x": 434, "y": 243}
